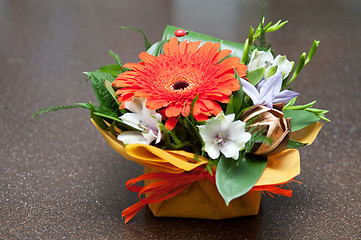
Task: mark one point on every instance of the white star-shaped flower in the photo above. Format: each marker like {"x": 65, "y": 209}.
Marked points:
{"x": 223, "y": 135}
{"x": 143, "y": 119}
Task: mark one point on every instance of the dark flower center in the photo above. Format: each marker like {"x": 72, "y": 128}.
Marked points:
{"x": 180, "y": 85}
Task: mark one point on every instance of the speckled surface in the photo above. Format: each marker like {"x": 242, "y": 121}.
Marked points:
{"x": 58, "y": 177}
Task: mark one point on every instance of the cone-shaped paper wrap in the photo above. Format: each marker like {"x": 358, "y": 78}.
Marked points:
{"x": 202, "y": 199}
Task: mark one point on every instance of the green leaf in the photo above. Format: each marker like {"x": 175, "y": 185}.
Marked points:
{"x": 107, "y": 116}
{"x": 97, "y": 119}
{"x": 230, "y": 109}
{"x": 270, "y": 71}
{"x": 110, "y": 89}
{"x": 147, "y": 44}
{"x": 56, "y": 108}
{"x": 237, "y": 96}
{"x": 235, "y": 178}
{"x": 114, "y": 69}
{"x": 300, "y": 118}
{"x": 300, "y": 107}
{"x": 112, "y": 129}
{"x": 105, "y": 99}
{"x": 156, "y": 48}
{"x": 116, "y": 57}
{"x": 290, "y": 103}
{"x": 295, "y": 144}
{"x": 237, "y": 100}
{"x": 236, "y": 48}
{"x": 115, "y": 119}
{"x": 256, "y": 75}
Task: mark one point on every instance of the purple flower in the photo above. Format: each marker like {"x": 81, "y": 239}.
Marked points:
{"x": 268, "y": 91}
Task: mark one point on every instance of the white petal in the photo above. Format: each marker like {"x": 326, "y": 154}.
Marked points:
{"x": 212, "y": 149}
{"x": 250, "y": 90}
{"x": 269, "y": 84}
{"x": 242, "y": 140}
{"x": 230, "y": 150}
{"x": 208, "y": 132}
{"x": 159, "y": 137}
{"x": 131, "y": 137}
{"x": 284, "y": 65}
{"x": 150, "y": 137}
{"x": 135, "y": 105}
{"x": 132, "y": 119}
{"x": 237, "y": 128}
{"x": 260, "y": 59}
{"x": 226, "y": 121}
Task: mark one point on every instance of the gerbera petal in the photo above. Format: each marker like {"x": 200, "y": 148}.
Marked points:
{"x": 228, "y": 64}
{"x": 171, "y": 123}
{"x": 156, "y": 103}
{"x": 173, "y": 110}
{"x": 210, "y": 49}
{"x": 221, "y": 54}
{"x": 218, "y": 97}
{"x": 182, "y": 47}
{"x": 134, "y": 66}
{"x": 192, "y": 47}
{"x": 241, "y": 70}
{"x": 166, "y": 48}
{"x": 209, "y": 104}
{"x": 216, "y": 109}
{"x": 173, "y": 46}
{"x": 146, "y": 57}
{"x": 125, "y": 98}
{"x": 197, "y": 108}
{"x": 201, "y": 117}
{"x": 173, "y": 79}
{"x": 186, "y": 109}
{"x": 225, "y": 77}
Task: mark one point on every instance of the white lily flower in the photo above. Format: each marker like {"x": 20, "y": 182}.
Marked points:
{"x": 222, "y": 134}
{"x": 260, "y": 59}
{"x": 143, "y": 119}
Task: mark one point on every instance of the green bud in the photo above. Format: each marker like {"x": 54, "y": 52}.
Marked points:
{"x": 301, "y": 64}
{"x": 290, "y": 103}
{"x": 312, "y": 51}
{"x": 276, "y": 26}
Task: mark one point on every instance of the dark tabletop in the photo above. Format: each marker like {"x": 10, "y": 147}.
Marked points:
{"x": 60, "y": 179}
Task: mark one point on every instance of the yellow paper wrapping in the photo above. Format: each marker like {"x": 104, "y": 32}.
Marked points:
{"x": 307, "y": 134}
{"x": 202, "y": 199}
{"x": 149, "y": 156}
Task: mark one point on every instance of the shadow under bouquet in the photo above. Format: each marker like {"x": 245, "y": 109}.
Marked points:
{"x": 213, "y": 122}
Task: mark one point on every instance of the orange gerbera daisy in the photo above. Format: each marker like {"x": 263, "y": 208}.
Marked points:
{"x": 172, "y": 80}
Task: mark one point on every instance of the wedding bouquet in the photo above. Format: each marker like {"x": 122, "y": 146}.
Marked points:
{"x": 213, "y": 122}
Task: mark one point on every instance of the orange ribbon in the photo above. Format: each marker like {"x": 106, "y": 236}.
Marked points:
{"x": 171, "y": 184}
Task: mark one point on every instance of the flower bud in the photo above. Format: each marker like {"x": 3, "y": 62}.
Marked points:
{"x": 273, "y": 125}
